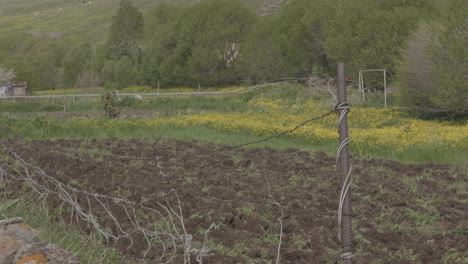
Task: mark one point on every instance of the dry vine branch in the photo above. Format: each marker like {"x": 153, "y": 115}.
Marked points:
{"x": 46, "y": 186}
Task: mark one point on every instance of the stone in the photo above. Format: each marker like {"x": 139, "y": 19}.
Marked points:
{"x": 22, "y": 232}
{"x": 8, "y": 248}
{"x": 18, "y": 245}
{"x": 35, "y": 259}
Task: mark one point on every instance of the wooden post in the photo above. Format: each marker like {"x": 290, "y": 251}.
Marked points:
{"x": 344, "y": 211}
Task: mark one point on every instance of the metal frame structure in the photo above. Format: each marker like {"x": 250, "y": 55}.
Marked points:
{"x": 361, "y": 83}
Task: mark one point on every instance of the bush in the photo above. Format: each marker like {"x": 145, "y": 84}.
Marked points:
{"x": 433, "y": 72}
{"x": 111, "y": 104}
{"x": 368, "y": 34}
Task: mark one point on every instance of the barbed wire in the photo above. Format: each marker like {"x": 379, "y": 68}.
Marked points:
{"x": 171, "y": 218}
{"x": 44, "y": 185}
{"x": 260, "y": 84}
{"x": 343, "y": 109}
{"x": 165, "y": 174}
{"x": 287, "y": 131}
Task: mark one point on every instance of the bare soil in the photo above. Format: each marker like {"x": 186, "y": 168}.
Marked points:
{"x": 413, "y": 213}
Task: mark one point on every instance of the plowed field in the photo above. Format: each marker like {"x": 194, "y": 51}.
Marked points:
{"x": 260, "y": 198}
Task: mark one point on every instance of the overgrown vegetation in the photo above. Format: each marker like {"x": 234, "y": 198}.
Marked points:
{"x": 221, "y": 42}
{"x": 387, "y": 133}
{"x": 88, "y": 247}
{"x": 433, "y": 71}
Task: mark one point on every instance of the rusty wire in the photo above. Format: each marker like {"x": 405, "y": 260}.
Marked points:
{"x": 43, "y": 184}
{"x": 344, "y": 207}
{"x": 288, "y": 131}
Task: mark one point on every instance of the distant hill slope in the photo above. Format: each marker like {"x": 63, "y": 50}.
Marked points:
{"x": 83, "y": 20}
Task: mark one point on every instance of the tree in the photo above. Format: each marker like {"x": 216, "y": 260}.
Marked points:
{"x": 415, "y": 71}
{"x": 125, "y": 31}
{"x": 433, "y": 72}
{"x": 157, "y": 17}
{"x": 118, "y": 74}
{"x": 368, "y": 34}
{"x": 449, "y": 56}
{"x": 220, "y": 28}
{"x": 75, "y": 62}
{"x": 121, "y": 51}
{"x": 160, "y": 35}
{"x": 36, "y": 60}
{"x": 288, "y": 44}
{"x": 6, "y": 76}
{"x": 202, "y": 45}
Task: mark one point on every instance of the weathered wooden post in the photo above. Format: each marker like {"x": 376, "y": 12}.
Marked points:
{"x": 344, "y": 209}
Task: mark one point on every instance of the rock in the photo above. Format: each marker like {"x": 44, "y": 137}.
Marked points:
{"x": 57, "y": 255}
{"x": 22, "y": 232}
{"x": 18, "y": 245}
{"x": 8, "y": 248}
{"x": 35, "y": 259}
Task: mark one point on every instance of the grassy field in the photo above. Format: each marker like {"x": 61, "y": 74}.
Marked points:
{"x": 384, "y": 133}
{"x": 43, "y": 133}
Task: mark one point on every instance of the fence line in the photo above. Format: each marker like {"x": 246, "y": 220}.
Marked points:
{"x": 288, "y": 131}
{"x": 163, "y": 94}
{"x": 165, "y": 174}
{"x": 171, "y": 218}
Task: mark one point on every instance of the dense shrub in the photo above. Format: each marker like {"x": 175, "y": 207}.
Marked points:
{"x": 433, "y": 73}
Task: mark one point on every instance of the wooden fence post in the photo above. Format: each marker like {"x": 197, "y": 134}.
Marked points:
{"x": 344, "y": 209}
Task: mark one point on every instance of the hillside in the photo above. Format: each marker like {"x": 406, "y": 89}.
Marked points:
{"x": 79, "y": 20}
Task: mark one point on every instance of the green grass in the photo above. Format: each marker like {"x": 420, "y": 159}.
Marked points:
{"x": 165, "y": 105}
{"x": 32, "y": 120}
{"x": 38, "y": 127}
{"x": 75, "y": 20}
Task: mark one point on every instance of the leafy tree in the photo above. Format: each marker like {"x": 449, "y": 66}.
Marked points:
{"x": 433, "y": 72}
{"x": 202, "y": 45}
{"x": 121, "y": 51}
{"x": 76, "y": 60}
{"x": 118, "y": 74}
{"x": 6, "y": 76}
{"x": 415, "y": 71}
{"x": 220, "y": 28}
{"x": 368, "y": 34}
{"x": 36, "y": 60}
{"x": 449, "y": 53}
{"x": 100, "y": 56}
{"x": 288, "y": 44}
{"x": 161, "y": 39}
{"x": 157, "y": 17}
{"x": 125, "y": 31}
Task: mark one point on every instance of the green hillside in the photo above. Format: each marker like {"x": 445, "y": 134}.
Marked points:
{"x": 80, "y": 20}
{"x": 72, "y": 20}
